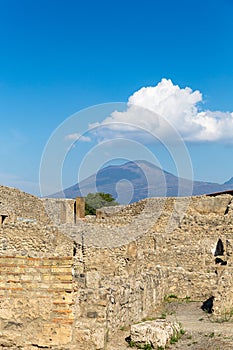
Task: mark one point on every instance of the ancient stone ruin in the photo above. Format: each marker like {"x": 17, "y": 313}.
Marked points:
{"x": 69, "y": 282}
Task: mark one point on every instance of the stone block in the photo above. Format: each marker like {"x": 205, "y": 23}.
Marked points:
{"x": 62, "y": 278}
{"x": 156, "y": 333}
{"x": 132, "y": 250}
{"x": 212, "y": 205}
{"x": 61, "y": 269}
{"x": 54, "y": 334}
{"x": 92, "y": 279}
{"x": 91, "y": 339}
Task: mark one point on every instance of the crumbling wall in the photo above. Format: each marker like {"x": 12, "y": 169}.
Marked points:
{"x": 59, "y": 290}
{"x": 60, "y": 211}
{"x": 22, "y": 206}
{"x": 122, "y": 285}
{"x": 37, "y": 293}
{"x": 36, "y": 298}
{"x": 114, "y": 289}
{"x": 32, "y": 239}
{"x": 223, "y": 301}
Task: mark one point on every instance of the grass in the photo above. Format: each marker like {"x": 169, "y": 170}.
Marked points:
{"x": 163, "y": 315}
{"x": 226, "y": 316}
{"x": 176, "y": 336}
{"x": 187, "y": 299}
{"x": 147, "y": 347}
{"x": 149, "y": 319}
{"x": 182, "y": 331}
{"x": 174, "y": 339}
{"x": 124, "y": 328}
{"x": 132, "y": 344}
{"x": 172, "y": 297}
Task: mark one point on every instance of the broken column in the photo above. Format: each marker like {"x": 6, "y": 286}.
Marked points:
{"x": 80, "y": 207}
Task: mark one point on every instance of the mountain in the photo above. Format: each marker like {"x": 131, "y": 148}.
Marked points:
{"x": 229, "y": 182}
{"x": 133, "y": 181}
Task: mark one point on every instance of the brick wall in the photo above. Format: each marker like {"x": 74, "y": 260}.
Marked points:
{"x": 37, "y": 298}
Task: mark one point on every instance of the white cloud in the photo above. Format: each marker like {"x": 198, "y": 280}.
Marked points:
{"x": 78, "y": 137}
{"x": 154, "y": 108}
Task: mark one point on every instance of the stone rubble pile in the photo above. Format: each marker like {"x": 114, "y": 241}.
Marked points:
{"x": 155, "y": 333}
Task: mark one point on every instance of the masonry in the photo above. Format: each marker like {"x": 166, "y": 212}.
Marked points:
{"x": 71, "y": 283}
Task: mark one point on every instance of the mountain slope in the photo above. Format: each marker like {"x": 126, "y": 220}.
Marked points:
{"x": 229, "y": 182}
{"x": 134, "y": 181}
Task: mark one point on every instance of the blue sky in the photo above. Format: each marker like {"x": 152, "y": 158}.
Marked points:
{"x": 59, "y": 57}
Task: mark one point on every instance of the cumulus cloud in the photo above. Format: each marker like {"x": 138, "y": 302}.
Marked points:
{"x": 78, "y": 137}
{"x": 156, "y": 109}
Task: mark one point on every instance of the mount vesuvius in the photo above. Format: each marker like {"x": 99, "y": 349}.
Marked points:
{"x": 135, "y": 180}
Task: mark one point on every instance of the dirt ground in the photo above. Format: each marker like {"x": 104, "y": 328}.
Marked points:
{"x": 202, "y": 332}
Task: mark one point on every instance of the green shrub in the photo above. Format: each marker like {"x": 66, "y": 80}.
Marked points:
{"x": 98, "y": 200}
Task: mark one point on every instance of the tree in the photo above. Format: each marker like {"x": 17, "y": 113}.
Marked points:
{"x": 98, "y": 200}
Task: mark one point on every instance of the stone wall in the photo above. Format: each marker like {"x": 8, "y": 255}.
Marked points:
{"x": 37, "y": 293}
{"x": 18, "y": 206}
{"x": 21, "y": 206}
{"x": 37, "y": 301}
{"x": 71, "y": 286}
{"x": 122, "y": 285}
{"x": 34, "y": 240}
{"x": 60, "y": 211}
